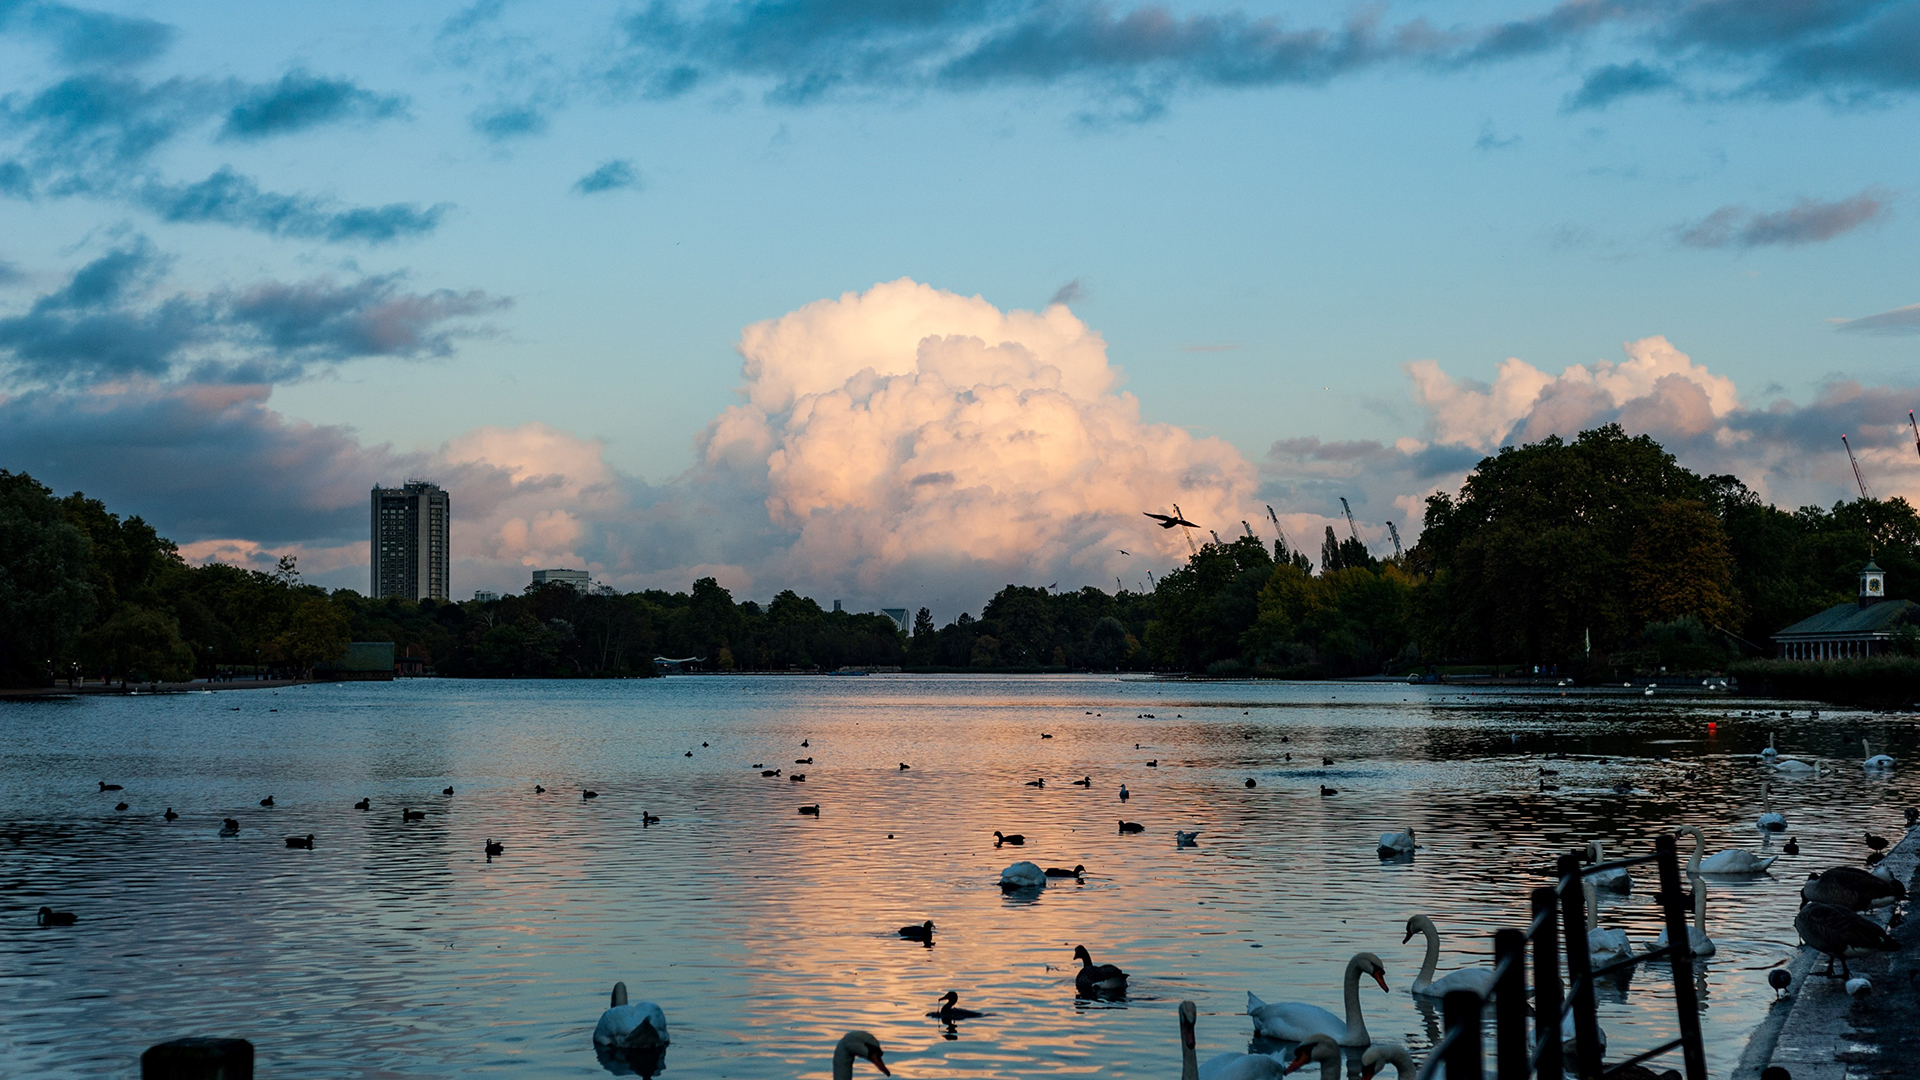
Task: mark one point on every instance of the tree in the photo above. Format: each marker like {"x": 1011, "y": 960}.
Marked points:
{"x": 46, "y": 596}
{"x": 315, "y": 631}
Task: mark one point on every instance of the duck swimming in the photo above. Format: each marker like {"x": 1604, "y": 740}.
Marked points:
{"x": 494, "y": 848}
{"x": 923, "y": 932}
{"x": 948, "y": 1012}
{"x": 170, "y": 815}
{"x": 363, "y": 804}
{"x": 1016, "y": 839}
{"x": 409, "y": 814}
{"x": 50, "y": 917}
{"x": 1095, "y": 978}
{"x": 229, "y": 827}
{"x": 1132, "y": 827}
{"x": 301, "y": 841}
{"x": 1057, "y": 871}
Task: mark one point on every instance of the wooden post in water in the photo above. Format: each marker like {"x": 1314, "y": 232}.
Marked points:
{"x": 1510, "y": 1006}
{"x": 1686, "y": 996}
{"x": 1546, "y": 984}
{"x": 198, "y": 1059}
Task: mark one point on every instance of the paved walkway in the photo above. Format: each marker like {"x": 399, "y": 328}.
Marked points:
{"x": 64, "y": 690}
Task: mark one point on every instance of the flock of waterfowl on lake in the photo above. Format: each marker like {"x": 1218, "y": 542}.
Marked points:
{"x": 1833, "y": 918}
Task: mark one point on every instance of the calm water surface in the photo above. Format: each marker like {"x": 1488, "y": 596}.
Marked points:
{"x": 395, "y": 949}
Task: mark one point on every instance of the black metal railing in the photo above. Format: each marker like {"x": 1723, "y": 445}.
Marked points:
{"x": 1560, "y": 916}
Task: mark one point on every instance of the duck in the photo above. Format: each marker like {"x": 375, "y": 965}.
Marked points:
{"x": 949, "y": 1010}
{"x": 407, "y": 813}
{"x": 1874, "y": 762}
{"x": 1022, "y": 875}
{"x": 120, "y": 806}
{"x": 301, "y": 841}
{"x": 1294, "y": 1021}
{"x": 1604, "y": 946}
{"x": 1039, "y": 783}
{"x": 1227, "y": 1066}
{"x": 798, "y": 778}
{"x": 1061, "y": 871}
{"x": 1132, "y": 827}
{"x": 539, "y": 790}
{"x": 1154, "y": 764}
{"x": 640, "y": 1025}
{"x": 1396, "y": 843}
{"x": 1876, "y": 842}
{"x": 1404, "y": 1067}
{"x": 589, "y": 794}
{"x": 50, "y": 917}
{"x": 769, "y": 772}
{"x": 1085, "y": 782}
{"x": 448, "y": 790}
{"x": 363, "y": 804}
{"x": 268, "y": 801}
{"x": 229, "y": 827}
{"x": 854, "y": 1045}
{"x": 1123, "y": 793}
{"x": 1792, "y": 846}
{"x": 1734, "y": 862}
{"x": 923, "y": 932}
{"x": 1326, "y": 791}
{"x": 170, "y": 815}
{"x": 647, "y": 819}
{"x": 1697, "y": 939}
{"x": 1840, "y": 934}
{"x": 1250, "y": 782}
{"x": 1769, "y": 820}
{"x": 1321, "y": 1049}
{"x": 803, "y": 761}
{"x": 494, "y": 848}
{"x": 1016, "y": 839}
{"x": 811, "y": 810}
{"x": 1094, "y": 978}
{"x": 904, "y": 766}
{"x": 1186, "y": 839}
{"x": 1614, "y": 880}
{"x": 1477, "y": 979}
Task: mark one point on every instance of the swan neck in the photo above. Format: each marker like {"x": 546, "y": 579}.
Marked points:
{"x": 842, "y": 1063}
{"x": 1356, "y": 1027}
{"x": 1699, "y": 845}
{"x": 1699, "y": 903}
{"x": 1432, "y": 960}
{"x": 1189, "y": 1065}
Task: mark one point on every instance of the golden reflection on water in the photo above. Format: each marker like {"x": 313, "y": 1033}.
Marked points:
{"x": 397, "y": 949}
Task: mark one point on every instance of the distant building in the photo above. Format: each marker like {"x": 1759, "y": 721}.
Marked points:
{"x": 485, "y": 596}
{"x": 836, "y": 605}
{"x": 897, "y": 614}
{"x": 364, "y": 661}
{"x": 579, "y": 579}
{"x": 411, "y": 541}
{"x": 1847, "y": 631}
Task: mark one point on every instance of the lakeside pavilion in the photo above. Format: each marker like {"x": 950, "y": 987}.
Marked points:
{"x": 1849, "y": 631}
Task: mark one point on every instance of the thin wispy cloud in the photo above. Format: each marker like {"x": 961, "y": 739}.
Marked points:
{"x": 1807, "y": 221}
{"x": 616, "y": 175}
{"x": 1606, "y": 85}
{"x": 300, "y": 101}
{"x": 1899, "y": 321}
{"x": 1071, "y": 293}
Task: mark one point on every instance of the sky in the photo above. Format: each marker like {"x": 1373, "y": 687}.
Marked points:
{"x": 897, "y": 303}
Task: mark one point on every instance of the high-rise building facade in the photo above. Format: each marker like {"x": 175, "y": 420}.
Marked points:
{"x": 410, "y": 541}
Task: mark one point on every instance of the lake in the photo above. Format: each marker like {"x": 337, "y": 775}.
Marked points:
{"x": 395, "y": 949}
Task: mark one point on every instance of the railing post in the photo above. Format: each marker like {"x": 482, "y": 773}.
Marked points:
{"x": 1461, "y": 1008}
{"x": 1510, "y": 1006}
{"x": 1546, "y": 985}
{"x": 1686, "y": 996}
{"x": 1573, "y": 920}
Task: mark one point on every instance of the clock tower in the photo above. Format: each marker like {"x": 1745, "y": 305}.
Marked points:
{"x": 1873, "y": 585}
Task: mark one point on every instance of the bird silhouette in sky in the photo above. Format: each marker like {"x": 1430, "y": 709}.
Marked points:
{"x": 1124, "y": 551}
{"x": 1168, "y": 521}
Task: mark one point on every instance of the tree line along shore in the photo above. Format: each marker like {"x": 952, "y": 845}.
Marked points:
{"x": 1591, "y": 558}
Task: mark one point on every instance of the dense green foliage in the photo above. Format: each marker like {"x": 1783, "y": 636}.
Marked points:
{"x": 1589, "y": 556}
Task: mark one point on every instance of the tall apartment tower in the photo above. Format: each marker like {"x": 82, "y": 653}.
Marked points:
{"x": 410, "y": 552}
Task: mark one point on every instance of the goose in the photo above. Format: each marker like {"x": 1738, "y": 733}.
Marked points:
{"x": 1227, "y": 1066}
{"x": 1404, "y": 1067}
{"x": 363, "y": 804}
{"x": 494, "y": 848}
{"x": 1294, "y": 1021}
{"x": 1614, "y": 880}
{"x": 1396, "y": 843}
{"x": 1769, "y": 820}
{"x": 104, "y": 786}
{"x": 1733, "y": 862}
{"x": 1478, "y": 980}
{"x": 407, "y": 813}
{"x": 1132, "y": 827}
{"x": 1094, "y": 978}
{"x": 1770, "y": 753}
{"x": 170, "y": 815}
{"x": 1186, "y": 839}
{"x": 856, "y": 1044}
{"x": 1318, "y": 1048}
{"x": 1604, "y": 946}
{"x": 229, "y": 827}
{"x": 1840, "y": 933}
{"x": 640, "y": 1025}
{"x": 949, "y": 1011}
{"x": 1016, "y": 839}
{"x": 301, "y": 841}
{"x": 1022, "y": 875}
{"x": 1697, "y": 939}
{"x": 1874, "y": 762}
{"x": 1061, "y": 871}
{"x": 50, "y": 917}
{"x": 923, "y": 932}
{"x": 1852, "y": 888}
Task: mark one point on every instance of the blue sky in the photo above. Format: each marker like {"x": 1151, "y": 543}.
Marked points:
{"x": 307, "y": 249}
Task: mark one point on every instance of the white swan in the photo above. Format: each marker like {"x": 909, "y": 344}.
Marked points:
{"x": 1227, "y": 1066}
{"x": 1769, "y": 820}
{"x": 1614, "y": 880}
{"x": 1567, "y": 1035}
{"x": 856, "y": 1044}
{"x": 1395, "y": 1055}
{"x": 1697, "y": 938}
{"x": 1603, "y": 946}
{"x": 1322, "y": 1049}
{"x": 637, "y": 1026}
{"x": 1022, "y": 875}
{"x": 1769, "y": 753}
{"x": 1478, "y": 980}
{"x": 1396, "y": 843}
{"x": 1733, "y": 862}
{"x": 1875, "y": 762}
{"x": 1294, "y": 1021}
{"x": 1793, "y": 766}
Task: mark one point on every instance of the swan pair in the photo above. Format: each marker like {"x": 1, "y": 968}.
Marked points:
{"x": 1294, "y": 1021}
{"x": 1322, "y": 1049}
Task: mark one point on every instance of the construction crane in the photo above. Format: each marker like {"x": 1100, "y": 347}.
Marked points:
{"x": 1857, "y": 477}
{"x": 1276, "y": 527}
{"x": 1216, "y": 538}
{"x": 1916, "y": 429}
{"x": 1395, "y": 533}
{"x": 1348, "y": 510}
{"x": 1249, "y": 528}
